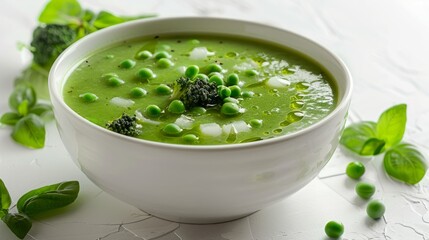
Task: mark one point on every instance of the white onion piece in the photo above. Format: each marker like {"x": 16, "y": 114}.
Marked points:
{"x": 211, "y": 129}
{"x": 240, "y": 126}
{"x": 184, "y": 122}
{"x": 277, "y": 82}
{"x": 200, "y": 53}
{"x": 141, "y": 118}
{"x": 181, "y": 69}
{"x": 121, "y": 102}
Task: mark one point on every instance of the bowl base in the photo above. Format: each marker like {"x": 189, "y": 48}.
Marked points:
{"x": 198, "y": 220}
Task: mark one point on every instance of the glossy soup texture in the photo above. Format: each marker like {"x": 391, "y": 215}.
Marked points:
{"x": 274, "y": 91}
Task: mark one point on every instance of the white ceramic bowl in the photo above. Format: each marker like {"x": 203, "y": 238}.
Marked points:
{"x": 198, "y": 184}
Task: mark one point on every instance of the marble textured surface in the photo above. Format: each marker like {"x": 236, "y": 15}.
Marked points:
{"x": 383, "y": 42}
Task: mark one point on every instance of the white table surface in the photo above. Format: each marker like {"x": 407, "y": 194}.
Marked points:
{"x": 385, "y": 43}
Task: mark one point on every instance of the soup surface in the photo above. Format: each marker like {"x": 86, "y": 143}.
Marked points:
{"x": 263, "y": 90}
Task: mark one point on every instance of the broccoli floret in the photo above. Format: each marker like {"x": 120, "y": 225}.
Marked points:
{"x": 126, "y": 125}
{"x": 196, "y": 93}
{"x": 49, "y": 41}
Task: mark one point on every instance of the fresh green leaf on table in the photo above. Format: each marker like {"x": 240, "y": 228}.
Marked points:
{"x": 61, "y": 12}
{"x": 5, "y": 200}
{"x": 391, "y": 125}
{"x": 48, "y": 198}
{"x": 10, "y": 118}
{"x": 405, "y": 163}
{"x": 106, "y": 19}
{"x": 18, "y": 223}
{"x": 357, "y": 137}
{"x": 30, "y": 131}
{"x": 21, "y": 94}
{"x": 43, "y": 110}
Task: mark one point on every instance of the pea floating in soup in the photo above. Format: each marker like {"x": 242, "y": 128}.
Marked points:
{"x": 201, "y": 89}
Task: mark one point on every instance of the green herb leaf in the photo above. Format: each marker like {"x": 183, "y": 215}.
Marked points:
{"x": 21, "y": 94}
{"x": 19, "y": 224}
{"x": 30, "y": 131}
{"x": 106, "y": 19}
{"x": 42, "y": 110}
{"x": 5, "y": 200}
{"x": 372, "y": 146}
{"x": 36, "y": 77}
{"x": 10, "y": 118}
{"x": 391, "y": 125}
{"x": 23, "y": 108}
{"x": 405, "y": 163}
{"x": 356, "y": 137}
{"x": 61, "y": 12}
{"x": 48, "y": 198}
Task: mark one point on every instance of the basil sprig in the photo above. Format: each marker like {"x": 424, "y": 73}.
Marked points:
{"x": 402, "y": 161}
{"x": 47, "y": 198}
{"x": 35, "y": 202}
{"x": 27, "y": 117}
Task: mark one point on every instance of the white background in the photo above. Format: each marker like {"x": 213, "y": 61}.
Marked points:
{"x": 385, "y": 43}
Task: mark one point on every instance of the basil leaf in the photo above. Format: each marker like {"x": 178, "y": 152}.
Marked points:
{"x": 42, "y": 110}
{"x": 5, "y": 200}
{"x": 23, "y": 108}
{"x": 391, "y": 125}
{"x": 19, "y": 224}
{"x": 405, "y": 163}
{"x": 356, "y": 135}
{"x": 30, "y": 131}
{"x": 372, "y": 146}
{"x": 106, "y": 19}
{"x": 61, "y": 12}
{"x": 21, "y": 94}
{"x": 10, "y": 118}
{"x": 48, "y": 198}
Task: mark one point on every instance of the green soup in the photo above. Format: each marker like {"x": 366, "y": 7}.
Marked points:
{"x": 265, "y": 90}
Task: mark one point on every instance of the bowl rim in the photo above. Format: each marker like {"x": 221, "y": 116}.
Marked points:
{"x": 57, "y": 96}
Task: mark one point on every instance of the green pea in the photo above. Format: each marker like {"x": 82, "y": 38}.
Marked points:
{"x": 143, "y": 55}
{"x": 127, "y": 64}
{"x": 224, "y": 92}
{"x": 235, "y": 91}
{"x": 115, "y": 81}
{"x": 230, "y": 109}
{"x": 198, "y": 111}
{"x": 194, "y": 41}
{"x": 146, "y": 74}
{"x": 230, "y": 99}
{"x": 247, "y": 94}
{"x": 138, "y": 92}
{"x": 88, "y": 97}
{"x": 162, "y": 54}
{"x": 355, "y": 170}
{"x": 192, "y": 71}
{"x": 232, "y": 79}
{"x": 163, "y": 89}
{"x": 251, "y": 73}
{"x": 190, "y": 138}
{"x": 334, "y": 229}
{"x": 109, "y": 75}
{"x": 216, "y": 79}
{"x": 375, "y": 209}
{"x": 256, "y": 123}
{"x": 153, "y": 111}
{"x": 365, "y": 190}
{"x": 176, "y": 106}
{"x": 202, "y": 76}
{"x": 214, "y": 68}
{"x": 164, "y": 63}
{"x": 172, "y": 129}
